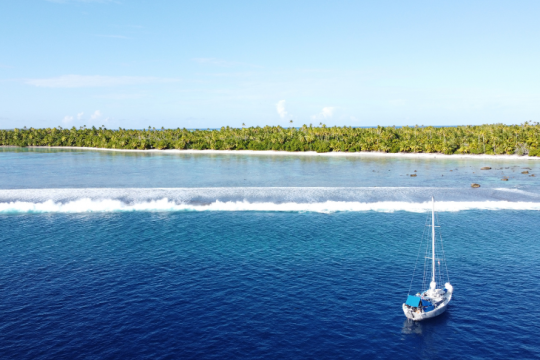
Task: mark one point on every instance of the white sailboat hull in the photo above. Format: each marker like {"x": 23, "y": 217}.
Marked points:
{"x": 433, "y": 302}
{"x": 421, "y": 315}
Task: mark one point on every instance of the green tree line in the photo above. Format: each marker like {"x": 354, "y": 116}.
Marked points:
{"x": 483, "y": 139}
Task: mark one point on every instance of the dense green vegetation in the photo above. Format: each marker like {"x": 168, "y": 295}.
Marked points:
{"x": 485, "y": 139}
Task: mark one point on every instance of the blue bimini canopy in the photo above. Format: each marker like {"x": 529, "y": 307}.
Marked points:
{"x": 413, "y": 301}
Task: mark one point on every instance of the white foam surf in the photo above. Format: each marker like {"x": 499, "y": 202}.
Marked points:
{"x": 321, "y": 200}
{"x": 165, "y": 205}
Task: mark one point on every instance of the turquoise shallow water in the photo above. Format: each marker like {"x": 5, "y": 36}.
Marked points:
{"x": 51, "y": 168}
{"x": 83, "y": 280}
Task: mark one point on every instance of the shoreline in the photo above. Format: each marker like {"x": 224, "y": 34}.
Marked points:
{"x": 297, "y": 153}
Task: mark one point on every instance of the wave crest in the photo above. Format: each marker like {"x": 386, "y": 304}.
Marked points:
{"x": 165, "y": 205}
{"x": 321, "y": 200}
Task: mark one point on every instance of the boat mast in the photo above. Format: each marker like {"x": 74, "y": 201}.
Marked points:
{"x": 433, "y": 240}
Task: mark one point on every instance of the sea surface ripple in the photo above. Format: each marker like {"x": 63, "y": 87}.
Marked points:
{"x": 262, "y": 285}
{"x": 148, "y": 256}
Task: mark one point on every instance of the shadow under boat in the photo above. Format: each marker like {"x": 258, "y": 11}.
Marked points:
{"x": 411, "y": 327}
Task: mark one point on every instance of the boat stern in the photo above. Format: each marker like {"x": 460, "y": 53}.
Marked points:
{"x": 409, "y": 313}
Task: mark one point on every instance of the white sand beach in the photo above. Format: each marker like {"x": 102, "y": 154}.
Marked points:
{"x": 306, "y": 153}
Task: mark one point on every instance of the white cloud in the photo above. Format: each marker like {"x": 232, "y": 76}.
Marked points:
{"x": 67, "y": 119}
{"x": 96, "y": 115}
{"x": 280, "y": 108}
{"x": 326, "y": 113}
{"x": 77, "y": 81}
{"x": 80, "y": 115}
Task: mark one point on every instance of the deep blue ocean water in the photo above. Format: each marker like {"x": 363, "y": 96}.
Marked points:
{"x": 90, "y": 270}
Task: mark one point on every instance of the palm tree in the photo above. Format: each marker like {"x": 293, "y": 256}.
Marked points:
{"x": 524, "y": 138}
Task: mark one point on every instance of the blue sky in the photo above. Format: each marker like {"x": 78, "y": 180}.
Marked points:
{"x": 198, "y": 64}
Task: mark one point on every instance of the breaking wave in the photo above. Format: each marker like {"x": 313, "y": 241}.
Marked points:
{"x": 319, "y": 200}
{"x": 88, "y": 205}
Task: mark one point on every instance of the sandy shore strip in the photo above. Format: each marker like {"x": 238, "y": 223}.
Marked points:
{"x": 365, "y": 154}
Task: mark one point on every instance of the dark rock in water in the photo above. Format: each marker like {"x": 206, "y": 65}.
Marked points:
{"x": 524, "y": 172}
{"x": 485, "y": 168}
{"x": 532, "y": 175}
{"x": 413, "y": 175}
{"x": 414, "y": 170}
{"x": 473, "y": 185}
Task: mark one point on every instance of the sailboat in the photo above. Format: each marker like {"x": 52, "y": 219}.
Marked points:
{"x": 433, "y": 301}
